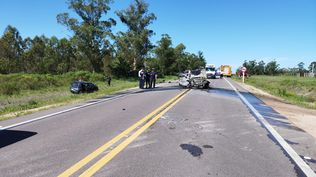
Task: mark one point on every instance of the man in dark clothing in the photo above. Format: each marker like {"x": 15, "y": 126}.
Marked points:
{"x": 141, "y": 76}
{"x": 153, "y": 77}
{"x": 147, "y": 79}
{"x": 109, "y": 79}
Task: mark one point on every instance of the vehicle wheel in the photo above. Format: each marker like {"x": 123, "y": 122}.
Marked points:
{"x": 206, "y": 85}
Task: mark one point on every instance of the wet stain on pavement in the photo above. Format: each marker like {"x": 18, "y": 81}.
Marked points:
{"x": 195, "y": 151}
{"x": 224, "y": 92}
{"x": 207, "y": 146}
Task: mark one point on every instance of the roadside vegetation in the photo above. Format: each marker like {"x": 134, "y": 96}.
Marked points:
{"x": 22, "y": 92}
{"x": 296, "y": 90}
{"x": 272, "y": 68}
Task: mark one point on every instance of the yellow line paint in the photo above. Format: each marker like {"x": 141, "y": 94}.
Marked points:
{"x": 104, "y": 160}
{"x": 104, "y": 147}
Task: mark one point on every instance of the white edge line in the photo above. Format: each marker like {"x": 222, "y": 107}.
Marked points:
{"x": 134, "y": 90}
{"x": 289, "y": 150}
{"x": 60, "y": 112}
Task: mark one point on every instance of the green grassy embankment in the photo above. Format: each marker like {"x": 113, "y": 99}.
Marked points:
{"x": 296, "y": 90}
{"x": 25, "y": 93}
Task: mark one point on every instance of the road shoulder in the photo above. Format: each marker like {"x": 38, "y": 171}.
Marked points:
{"x": 301, "y": 117}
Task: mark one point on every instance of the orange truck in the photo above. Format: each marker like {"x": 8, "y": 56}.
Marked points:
{"x": 226, "y": 70}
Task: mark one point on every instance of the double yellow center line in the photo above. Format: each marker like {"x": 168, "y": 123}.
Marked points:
{"x": 157, "y": 113}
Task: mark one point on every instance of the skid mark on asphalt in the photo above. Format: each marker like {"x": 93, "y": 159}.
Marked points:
{"x": 207, "y": 146}
{"x": 140, "y": 142}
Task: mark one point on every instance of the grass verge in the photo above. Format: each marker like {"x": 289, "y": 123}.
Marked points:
{"x": 296, "y": 90}
{"x": 26, "y": 93}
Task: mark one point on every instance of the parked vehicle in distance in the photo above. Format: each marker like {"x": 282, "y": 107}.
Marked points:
{"x": 218, "y": 74}
{"x": 210, "y": 71}
{"x": 226, "y": 70}
{"x": 83, "y": 87}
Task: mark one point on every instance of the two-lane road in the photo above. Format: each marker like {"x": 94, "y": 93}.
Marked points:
{"x": 195, "y": 133}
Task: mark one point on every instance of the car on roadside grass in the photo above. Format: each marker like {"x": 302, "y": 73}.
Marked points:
{"x": 83, "y": 87}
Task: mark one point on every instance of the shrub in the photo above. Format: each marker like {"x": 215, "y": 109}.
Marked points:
{"x": 9, "y": 89}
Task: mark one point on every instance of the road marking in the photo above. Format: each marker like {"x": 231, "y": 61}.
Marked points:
{"x": 61, "y": 112}
{"x": 287, "y": 148}
{"x": 125, "y": 133}
{"x": 104, "y": 160}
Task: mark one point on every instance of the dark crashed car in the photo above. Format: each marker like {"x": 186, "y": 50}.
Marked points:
{"x": 83, "y": 87}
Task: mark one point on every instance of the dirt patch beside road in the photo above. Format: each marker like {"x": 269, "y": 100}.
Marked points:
{"x": 301, "y": 117}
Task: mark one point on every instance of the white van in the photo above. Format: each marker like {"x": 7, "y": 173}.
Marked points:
{"x": 210, "y": 71}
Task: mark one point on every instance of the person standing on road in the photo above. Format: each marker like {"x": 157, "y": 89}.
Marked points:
{"x": 153, "y": 77}
{"x": 141, "y": 76}
{"x": 147, "y": 78}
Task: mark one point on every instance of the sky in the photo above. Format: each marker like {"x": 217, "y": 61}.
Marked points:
{"x": 226, "y": 31}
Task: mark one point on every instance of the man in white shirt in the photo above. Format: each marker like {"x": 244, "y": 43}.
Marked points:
{"x": 141, "y": 76}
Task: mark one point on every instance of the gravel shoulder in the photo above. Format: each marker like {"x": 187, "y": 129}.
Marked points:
{"x": 301, "y": 117}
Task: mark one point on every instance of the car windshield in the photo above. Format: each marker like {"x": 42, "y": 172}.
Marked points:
{"x": 196, "y": 72}
{"x": 210, "y": 69}
{"x": 75, "y": 84}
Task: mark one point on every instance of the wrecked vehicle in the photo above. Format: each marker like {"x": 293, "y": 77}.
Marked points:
{"x": 194, "y": 79}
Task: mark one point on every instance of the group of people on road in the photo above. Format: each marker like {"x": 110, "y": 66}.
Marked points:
{"x": 147, "y": 78}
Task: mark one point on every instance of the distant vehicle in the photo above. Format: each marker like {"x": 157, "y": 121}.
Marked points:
{"x": 195, "y": 78}
{"x": 226, "y": 70}
{"x": 210, "y": 71}
{"x": 83, "y": 87}
{"x": 218, "y": 74}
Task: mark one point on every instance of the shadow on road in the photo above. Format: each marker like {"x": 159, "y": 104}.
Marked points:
{"x": 8, "y": 137}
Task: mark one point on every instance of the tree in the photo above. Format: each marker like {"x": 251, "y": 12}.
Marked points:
{"x": 180, "y": 58}
{"x": 66, "y": 56}
{"x": 165, "y": 54}
{"x": 312, "y": 66}
{"x": 34, "y": 55}
{"x": 261, "y": 68}
{"x": 301, "y": 67}
{"x": 272, "y": 68}
{"x": 137, "y": 39}
{"x": 11, "y": 50}
{"x": 200, "y": 60}
{"x": 251, "y": 66}
{"x": 195, "y": 61}
{"x": 92, "y": 33}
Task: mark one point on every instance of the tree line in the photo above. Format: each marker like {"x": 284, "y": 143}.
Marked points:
{"x": 94, "y": 47}
{"x": 273, "y": 68}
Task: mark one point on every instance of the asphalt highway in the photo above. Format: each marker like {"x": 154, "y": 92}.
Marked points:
{"x": 168, "y": 131}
